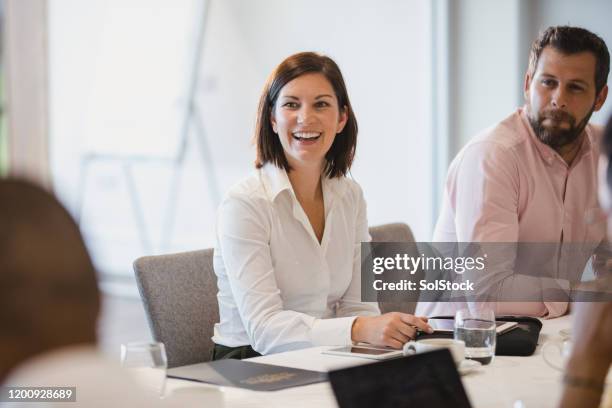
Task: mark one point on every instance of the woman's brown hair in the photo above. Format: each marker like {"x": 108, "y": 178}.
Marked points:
{"x": 340, "y": 156}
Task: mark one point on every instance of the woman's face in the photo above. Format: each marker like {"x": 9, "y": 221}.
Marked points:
{"x": 306, "y": 118}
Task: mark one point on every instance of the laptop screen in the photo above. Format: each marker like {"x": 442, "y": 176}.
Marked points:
{"x": 423, "y": 380}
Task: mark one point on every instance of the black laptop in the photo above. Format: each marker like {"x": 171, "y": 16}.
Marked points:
{"x": 424, "y": 380}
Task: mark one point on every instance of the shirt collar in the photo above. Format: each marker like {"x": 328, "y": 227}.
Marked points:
{"x": 332, "y": 188}
{"x": 276, "y": 180}
{"x": 547, "y": 153}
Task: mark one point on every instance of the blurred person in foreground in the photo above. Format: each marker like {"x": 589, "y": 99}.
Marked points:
{"x": 591, "y": 357}
{"x": 49, "y": 305}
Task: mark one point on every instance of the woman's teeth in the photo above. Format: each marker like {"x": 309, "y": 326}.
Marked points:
{"x": 306, "y": 135}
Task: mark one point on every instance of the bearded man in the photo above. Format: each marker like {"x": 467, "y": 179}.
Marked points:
{"x": 533, "y": 176}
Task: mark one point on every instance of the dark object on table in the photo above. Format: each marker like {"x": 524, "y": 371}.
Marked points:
{"x": 245, "y": 374}
{"x": 520, "y": 341}
{"x": 423, "y": 380}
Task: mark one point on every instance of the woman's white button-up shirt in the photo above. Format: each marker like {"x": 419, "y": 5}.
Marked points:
{"x": 279, "y": 288}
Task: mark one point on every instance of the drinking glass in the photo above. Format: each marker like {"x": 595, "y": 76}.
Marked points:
{"x": 147, "y": 362}
{"x": 476, "y": 328}
{"x": 561, "y": 350}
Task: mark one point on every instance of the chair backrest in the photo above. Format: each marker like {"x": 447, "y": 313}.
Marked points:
{"x": 179, "y": 292}
{"x": 397, "y": 232}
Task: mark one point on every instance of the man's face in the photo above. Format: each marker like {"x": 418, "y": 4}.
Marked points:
{"x": 561, "y": 96}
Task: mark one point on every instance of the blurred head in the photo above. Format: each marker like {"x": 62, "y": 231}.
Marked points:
{"x": 305, "y": 117}
{"x": 48, "y": 291}
{"x": 565, "y": 83}
{"x": 605, "y": 170}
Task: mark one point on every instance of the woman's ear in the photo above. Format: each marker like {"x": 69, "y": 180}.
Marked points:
{"x": 273, "y": 121}
{"x": 343, "y": 118}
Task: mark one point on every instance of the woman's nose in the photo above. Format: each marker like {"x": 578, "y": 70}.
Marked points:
{"x": 304, "y": 115}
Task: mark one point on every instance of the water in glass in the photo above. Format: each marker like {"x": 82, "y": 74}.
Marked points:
{"x": 477, "y": 330}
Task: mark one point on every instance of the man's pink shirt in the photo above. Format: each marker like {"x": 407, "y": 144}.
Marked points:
{"x": 507, "y": 186}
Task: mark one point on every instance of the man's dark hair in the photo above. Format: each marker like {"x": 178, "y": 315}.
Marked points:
{"x": 572, "y": 40}
{"x": 340, "y": 156}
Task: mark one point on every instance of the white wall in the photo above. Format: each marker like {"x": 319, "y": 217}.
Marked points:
{"x": 383, "y": 49}
{"x": 105, "y": 74}
{"x": 485, "y": 78}
{"x": 489, "y": 51}
{"x": 594, "y": 15}
{"x": 25, "y": 90}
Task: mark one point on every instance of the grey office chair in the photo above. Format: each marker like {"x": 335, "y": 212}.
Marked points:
{"x": 397, "y": 232}
{"x": 179, "y": 292}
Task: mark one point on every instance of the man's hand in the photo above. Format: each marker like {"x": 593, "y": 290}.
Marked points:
{"x": 598, "y": 290}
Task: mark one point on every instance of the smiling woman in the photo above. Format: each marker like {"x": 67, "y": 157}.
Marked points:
{"x": 307, "y": 118}
{"x": 287, "y": 256}
{"x": 306, "y": 90}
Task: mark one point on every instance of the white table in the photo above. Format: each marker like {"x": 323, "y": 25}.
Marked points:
{"x": 499, "y": 384}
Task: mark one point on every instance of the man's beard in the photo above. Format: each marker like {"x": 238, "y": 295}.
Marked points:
{"x": 556, "y": 137}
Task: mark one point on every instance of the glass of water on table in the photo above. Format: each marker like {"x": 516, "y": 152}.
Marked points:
{"x": 476, "y": 328}
{"x": 147, "y": 363}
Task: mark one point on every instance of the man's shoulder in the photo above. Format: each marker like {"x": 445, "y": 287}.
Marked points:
{"x": 499, "y": 145}
{"x": 595, "y": 133}
{"x": 506, "y": 134}
{"x": 595, "y": 128}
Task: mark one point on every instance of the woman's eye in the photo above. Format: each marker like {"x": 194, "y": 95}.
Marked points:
{"x": 291, "y": 105}
{"x": 322, "y": 104}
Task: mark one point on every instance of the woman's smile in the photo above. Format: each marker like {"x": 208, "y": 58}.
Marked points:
{"x": 306, "y": 138}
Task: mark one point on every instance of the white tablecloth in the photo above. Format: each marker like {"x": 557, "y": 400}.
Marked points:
{"x": 500, "y": 384}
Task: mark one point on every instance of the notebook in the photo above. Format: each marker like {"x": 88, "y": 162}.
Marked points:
{"x": 245, "y": 374}
{"x": 423, "y": 380}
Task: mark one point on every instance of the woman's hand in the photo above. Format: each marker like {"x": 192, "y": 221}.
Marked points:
{"x": 390, "y": 329}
